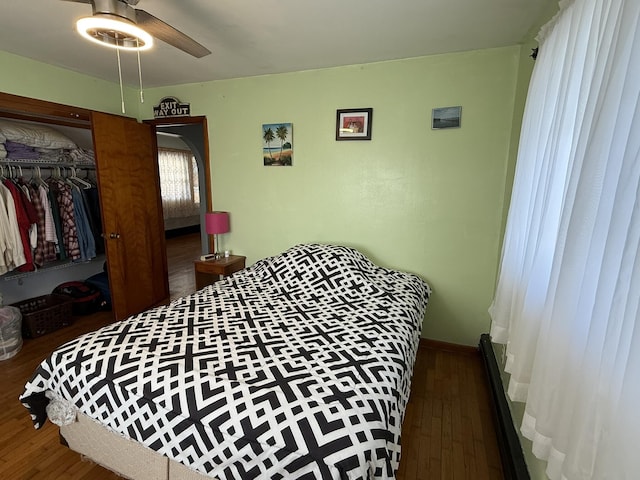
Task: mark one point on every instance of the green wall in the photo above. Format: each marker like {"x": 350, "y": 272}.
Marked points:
{"x": 426, "y": 201}
{"x": 28, "y": 78}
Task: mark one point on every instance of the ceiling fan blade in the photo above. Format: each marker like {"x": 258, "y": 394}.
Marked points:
{"x": 165, "y": 32}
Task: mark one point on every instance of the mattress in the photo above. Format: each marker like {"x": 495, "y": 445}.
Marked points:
{"x": 296, "y": 367}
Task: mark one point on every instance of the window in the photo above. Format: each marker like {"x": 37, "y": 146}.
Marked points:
{"x": 567, "y": 300}
{"x": 178, "y": 183}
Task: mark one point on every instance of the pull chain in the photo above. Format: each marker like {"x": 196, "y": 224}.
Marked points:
{"x": 120, "y": 77}
{"x": 139, "y": 71}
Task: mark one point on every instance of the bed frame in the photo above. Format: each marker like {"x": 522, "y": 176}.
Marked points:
{"x": 127, "y": 458}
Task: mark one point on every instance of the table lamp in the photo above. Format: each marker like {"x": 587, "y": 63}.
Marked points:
{"x": 215, "y": 224}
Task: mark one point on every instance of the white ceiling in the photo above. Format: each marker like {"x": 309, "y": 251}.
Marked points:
{"x": 257, "y": 37}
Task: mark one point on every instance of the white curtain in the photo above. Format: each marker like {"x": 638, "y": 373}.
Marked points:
{"x": 568, "y": 292}
{"x": 178, "y": 183}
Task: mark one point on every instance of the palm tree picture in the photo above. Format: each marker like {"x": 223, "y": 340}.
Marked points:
{"x": 282, "y": 153}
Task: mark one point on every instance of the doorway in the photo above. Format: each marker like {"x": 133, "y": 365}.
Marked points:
{"x": 191, "y": 132}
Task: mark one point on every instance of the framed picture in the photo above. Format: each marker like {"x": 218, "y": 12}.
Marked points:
{"x": 277, "y": 144}
{"x": 354, "y": 124}
{"x": 446, "y": 117}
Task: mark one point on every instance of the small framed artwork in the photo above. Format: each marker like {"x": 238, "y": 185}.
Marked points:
{"x": 354, "y": 124}
{"x": 277, "y": 144}
{"x": 446, "y": 117}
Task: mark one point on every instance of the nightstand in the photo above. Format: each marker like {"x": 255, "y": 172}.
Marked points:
{"x": 209, "y": 271}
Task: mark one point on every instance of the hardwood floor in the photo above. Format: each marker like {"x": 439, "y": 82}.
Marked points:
{"x": 181, "y": 252}
{"x": 24, "y": 452}
{"x": 447, "y": 433}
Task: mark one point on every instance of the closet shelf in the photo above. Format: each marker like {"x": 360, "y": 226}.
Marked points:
{"x": 56, "y": 265}
{"x": 46, "y": 163}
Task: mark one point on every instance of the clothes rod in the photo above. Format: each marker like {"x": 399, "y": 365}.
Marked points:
{"x": 46, "y": 164}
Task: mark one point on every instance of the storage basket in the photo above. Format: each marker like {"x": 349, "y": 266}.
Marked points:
{"x": 45, "y": 314}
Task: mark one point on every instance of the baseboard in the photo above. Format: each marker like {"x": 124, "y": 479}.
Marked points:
{"x": 513, "y": 462}
{"x": 447, "y": 347}
{"x": 177, "y": 232}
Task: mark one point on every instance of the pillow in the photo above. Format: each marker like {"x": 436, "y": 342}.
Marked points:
{"x": 34, "y": 135}
{"x": 335, "y": 274}
{"x": 329, "y": 267}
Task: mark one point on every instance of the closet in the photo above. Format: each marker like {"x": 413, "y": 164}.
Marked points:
{"x": 129, "y": 191}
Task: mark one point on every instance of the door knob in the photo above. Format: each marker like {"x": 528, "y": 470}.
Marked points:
{"x": 114, "y": 235}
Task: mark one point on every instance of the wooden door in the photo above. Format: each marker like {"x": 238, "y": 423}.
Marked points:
{"x": 133, "y": 226}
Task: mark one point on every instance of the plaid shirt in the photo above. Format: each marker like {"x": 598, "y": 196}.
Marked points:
{"x": 44, "y": 251}
{"x": 67, "y": 216}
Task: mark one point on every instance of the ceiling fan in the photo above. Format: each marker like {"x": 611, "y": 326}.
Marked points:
{"x": 117, "y": 24}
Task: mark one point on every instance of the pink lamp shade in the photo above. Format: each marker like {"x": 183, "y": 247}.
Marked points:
{"x": 217, "y": 222}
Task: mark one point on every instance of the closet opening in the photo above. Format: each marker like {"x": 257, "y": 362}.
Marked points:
{"x": 125, "y": 159}
{"x": 47, "y": 163}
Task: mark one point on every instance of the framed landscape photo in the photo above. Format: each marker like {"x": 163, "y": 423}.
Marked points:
{"x": 446, "y": 117}
{"x": 354, "y": 124}
{"x": 277, "y": 144}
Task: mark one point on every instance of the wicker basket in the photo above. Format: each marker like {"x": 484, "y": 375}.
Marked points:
{"x": 45, "y": 314}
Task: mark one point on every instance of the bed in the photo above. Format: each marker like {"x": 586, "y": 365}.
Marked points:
{"x": 297, "y": 367}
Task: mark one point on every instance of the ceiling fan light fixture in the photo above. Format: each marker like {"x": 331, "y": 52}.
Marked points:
{"x": 111, "y": 31}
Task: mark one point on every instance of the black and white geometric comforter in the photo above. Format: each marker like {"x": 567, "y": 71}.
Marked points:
{"x": 297, "y": 367}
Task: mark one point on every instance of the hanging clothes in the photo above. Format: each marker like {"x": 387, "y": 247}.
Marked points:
{"x": 83, "y": 228}
{"x": 4, "y": 235}
{"x": 46, "y": 221}
{"x": 50, "y": 236}
{"x": 44, "y": 251}
{"x": 25, "y": 215}
{"x": 31, "y": 211}
{"x": 67, "y": 216}
{"x": 57, "y": 220}
{"x": 11, "y": 248}
{"x": 92, "y": 206}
